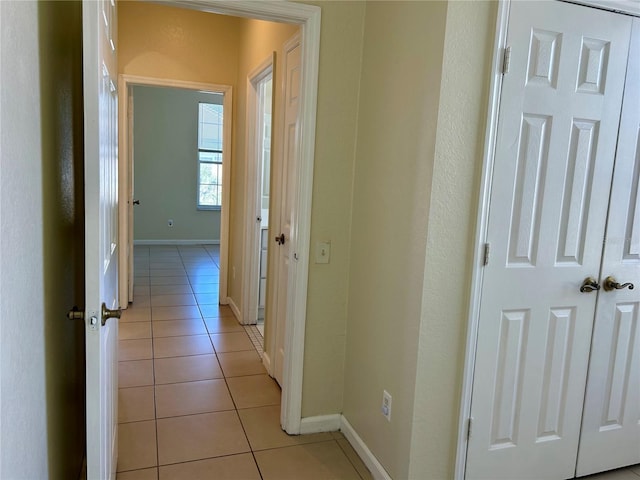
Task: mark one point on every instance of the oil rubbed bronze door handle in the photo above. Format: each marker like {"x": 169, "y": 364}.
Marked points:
{"x": 610, "y": 284}
{"x": 589, "y": 285}
{"x": 280, "y": 239}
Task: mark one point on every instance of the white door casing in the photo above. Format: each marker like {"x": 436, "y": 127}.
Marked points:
{"x": 253, "y": 187}
{"x": 126, "y": 83}
{"x": 101, "y": 234}
{"x": 286, "y": 202}
{"x": 610, "y": 435}
{"x": 556, "y": 136}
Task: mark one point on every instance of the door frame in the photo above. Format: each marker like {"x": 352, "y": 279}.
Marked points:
{"x": 627, "y": 7}
{"x": 125, "y": 169}
{"x": 251, "y": 259}
{"x": 308, "y": 18}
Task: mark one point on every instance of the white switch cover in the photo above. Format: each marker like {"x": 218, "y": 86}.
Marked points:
{"x": 323, "y": 252}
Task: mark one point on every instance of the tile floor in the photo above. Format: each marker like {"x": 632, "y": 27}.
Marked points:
{"x": 195, "y": 401}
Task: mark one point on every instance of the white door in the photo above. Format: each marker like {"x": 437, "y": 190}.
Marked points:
{"x": 611, "y": 421}
{"x": 101, "y": 257}
{"x": 286, "y": 235}
{"x": 557, "y": 131}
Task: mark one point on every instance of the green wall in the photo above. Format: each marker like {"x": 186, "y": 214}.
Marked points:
{"x": 165, "y": 141}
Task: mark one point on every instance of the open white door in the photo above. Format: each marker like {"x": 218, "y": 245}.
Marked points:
{"x": 557, "y": 135}
{"x": 611, "y": 420}
{"x": 286, "y": 236}
{"x": 101, "y": 235}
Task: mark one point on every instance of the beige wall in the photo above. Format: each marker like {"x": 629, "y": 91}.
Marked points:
{"x": 41, "y": 260}
{"x": 452, "y": 221}
{"x": 176, "y": 43}
{"x": 398, "y": 115}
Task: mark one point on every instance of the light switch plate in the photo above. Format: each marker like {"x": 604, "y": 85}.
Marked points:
{"x": 323, "y": 252}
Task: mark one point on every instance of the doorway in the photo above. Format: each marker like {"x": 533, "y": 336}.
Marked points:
{"x": 551, "y": 320}
{"x": 308, "y": 17}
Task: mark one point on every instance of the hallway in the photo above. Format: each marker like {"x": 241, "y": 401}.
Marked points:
{"x": 194, "y": 399}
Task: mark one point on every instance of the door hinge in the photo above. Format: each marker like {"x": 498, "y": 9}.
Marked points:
{"x": 487, "y": 248}
{"x": 506, "y": 60}
{"x": 469, "y": 422}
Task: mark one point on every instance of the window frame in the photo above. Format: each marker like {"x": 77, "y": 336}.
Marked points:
{"x": 200, "y": 150}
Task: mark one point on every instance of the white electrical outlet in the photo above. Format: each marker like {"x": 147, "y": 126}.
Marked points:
{"x": 170, "y": 222}
{"x": 386, "y": 405}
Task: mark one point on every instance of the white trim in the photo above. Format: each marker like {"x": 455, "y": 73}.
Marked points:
{"x": 234, "y": 308}
{"x": 266, "y": 362}
{"x": 375, "y": 467}
{"x": 627, "y": 7}
{"x": 126, "y": 82}
{"x": 176, "y": 242}
{"x": 253, "y": 184}
{"x": 320, "y": 423}
{"x": 480, "y": 237}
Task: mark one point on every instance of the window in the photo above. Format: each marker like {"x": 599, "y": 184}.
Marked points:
{"x": 210, "y": 135}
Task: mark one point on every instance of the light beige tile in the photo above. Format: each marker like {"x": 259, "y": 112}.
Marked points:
{"x": 141, "y": 280}
{"x": 135, "y": 373}
{"x": 175, "y": 313}
{"x": 141, "y": 301}
{"x": 254, "y": 391}
{"x": 206, "y": 288}
{"x": 137, "y": 445}
{"x": 204, "y": 277}
{"x": 186, "y": 369}
{"x": 207, "y": 298}
{"x": 192, "y": 397}
{"x": 213, "y": 311}
{"x": 262, "y": 426}
{"x": 135, "y": 404}
{"x": 231, "y": 342}
{"x": 136, "y": 349}
{"x": 141, "y": 291}
{"x": 136, "y": 315}
{"x": 173, "y": 300}
{"x": 144, "y": 474}
{"x": 238, "y": 364}
{"x": 173, "y": 262}
{"x": 233, "y": 467}
{"x": 173, "y": 280}
{"x": 196, "y": 437}
{"x": 314, "y": 461}
{"x": 355, "y": 460}
{"x": 167, "y": 272}
{"x": 181, "y": 346}
{"x": 169, "y": 289}
{"x": 128, "y": 331}
{"x": 223, "y": 325}
{"x": 620, "y": 474}
{"x": 177, "y": 328}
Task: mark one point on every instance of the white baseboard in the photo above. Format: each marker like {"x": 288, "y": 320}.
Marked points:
{"x": 176, "y": 242}
{"x": 320, "y": 423}
{"x": 234, "y": 308}
{"x": 377, "y": 470}
{"x": 266, "y": 361}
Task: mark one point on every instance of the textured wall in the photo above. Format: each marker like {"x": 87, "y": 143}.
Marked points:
{"x": 400, "y": 84}
{"x": 166, "y": 167}
{"x": 449, "y": 252}
{"x": 41, "y": 219}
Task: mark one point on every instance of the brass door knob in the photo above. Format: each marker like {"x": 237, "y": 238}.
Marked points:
{"x": 107, "y": 313}
{"x": 610, "y": 284}
{"x": 589, "y": 285}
